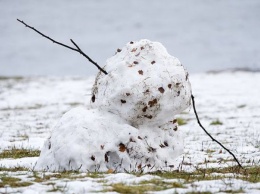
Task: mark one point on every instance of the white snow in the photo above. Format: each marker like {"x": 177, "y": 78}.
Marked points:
{"x": 233, "y": 98}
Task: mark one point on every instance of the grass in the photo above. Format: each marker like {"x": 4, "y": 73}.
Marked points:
{"x": 19, "y": 153}
{"x": 251, "y": 174}
{"x": 145, "y": 186}
{"x": 232, "y": 191}
{"x": 23, "y": 108}
{"x": 163, "y": 184}
{"x": 216, "y": 122}
{"x": 13, "y": 169}
{"x": 74, "y": 104}
{"x": 179, "y": 179}
{"x": 68, "y": 175}
{"x": 181, "y": 121}
{"x": 184, "y": 178}
{"x": 241, "y": 106}
{"x": 132, "y": 189}
{"x": 199, "y": 192}
{"x": 11, "y": 77}
{"x": 209, "y": 151}
{"x": 35, "y": 106}
{"x": 12, "y": 182}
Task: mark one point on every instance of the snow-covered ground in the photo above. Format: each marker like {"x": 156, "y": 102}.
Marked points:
{"x": 204, "y": 35}
{"x": 30, "y": 106}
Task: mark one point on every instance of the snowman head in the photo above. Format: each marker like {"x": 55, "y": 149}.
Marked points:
{"x": 144, "y": 84}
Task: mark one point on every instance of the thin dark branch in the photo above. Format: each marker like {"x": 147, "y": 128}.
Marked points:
{"x": 90, "y": 60}
{"x": 54, "y": 41}
{"x": 64, "y": 45}
{"x": 76, "y": 46}
{"x": 213, "y": 139}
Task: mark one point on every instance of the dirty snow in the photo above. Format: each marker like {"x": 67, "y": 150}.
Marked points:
{"x": 30, "y": 107}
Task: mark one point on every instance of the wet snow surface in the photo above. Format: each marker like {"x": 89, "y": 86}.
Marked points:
{"x": 30, "y": 107}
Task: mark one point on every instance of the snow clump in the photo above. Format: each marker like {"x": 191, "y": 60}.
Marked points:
{"x": 130, "y": 122}
{"x": 144, "y": 84}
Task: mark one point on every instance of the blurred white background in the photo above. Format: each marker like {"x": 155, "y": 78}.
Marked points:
{"x": 203, "y": 34}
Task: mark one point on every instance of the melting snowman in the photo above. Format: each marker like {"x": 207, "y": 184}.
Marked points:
{"x": 129, "y": 124}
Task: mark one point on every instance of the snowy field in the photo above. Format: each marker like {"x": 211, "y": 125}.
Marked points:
{"x": 228, "y": 105}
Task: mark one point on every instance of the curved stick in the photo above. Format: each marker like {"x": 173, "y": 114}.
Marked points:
{"x": 213, "y": 139}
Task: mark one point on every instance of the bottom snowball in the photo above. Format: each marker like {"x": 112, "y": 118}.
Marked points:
{"x": 94, "y": 140}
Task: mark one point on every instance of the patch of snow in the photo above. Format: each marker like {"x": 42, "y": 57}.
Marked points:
{"x": 128, "y": 178}
{"x": 27, "y": 162}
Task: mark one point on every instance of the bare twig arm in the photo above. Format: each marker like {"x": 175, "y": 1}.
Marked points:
{"x": 54, "y": 41}
{"x": 90, "y": 60}
{"x": 64, "y": 45}
{"x": 213, "y": 139}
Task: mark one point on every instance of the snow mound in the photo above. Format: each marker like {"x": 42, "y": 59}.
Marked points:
{"x": 129, "y": 125}
{"x": 94, "y": 140}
